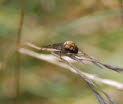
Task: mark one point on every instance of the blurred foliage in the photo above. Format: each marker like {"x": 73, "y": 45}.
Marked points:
{"x": 95, "y": 25}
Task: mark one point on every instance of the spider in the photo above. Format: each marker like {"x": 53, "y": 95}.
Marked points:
{"x": 66, "y": 47}
{"x": 71, "y": 50}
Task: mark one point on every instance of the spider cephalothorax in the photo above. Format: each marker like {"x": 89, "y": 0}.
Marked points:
{"x": 71, "y": 47}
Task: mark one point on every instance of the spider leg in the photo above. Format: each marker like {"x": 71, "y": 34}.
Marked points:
{"x": 72, "y": 56}
{"x": 38, "y": 48}
{"x": 102, "y": 65}
{"x": 93, "y": 60}
{"x": 33, "y": 46}
{"x": 61, "y": 52}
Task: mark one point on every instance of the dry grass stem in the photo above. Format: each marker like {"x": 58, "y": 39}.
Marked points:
{"x": 54, "y": 60}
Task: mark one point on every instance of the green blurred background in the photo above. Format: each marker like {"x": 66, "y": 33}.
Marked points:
{"x": 95, "y": 25}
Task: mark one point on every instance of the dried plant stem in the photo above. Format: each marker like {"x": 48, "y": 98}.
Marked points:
{"x": 91, "y": 84}
{"x": 68, "y": 65}
{"x": 54, "y": 60}
{"x": 18, "y": 58}
{"x": 121, "y": 6}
